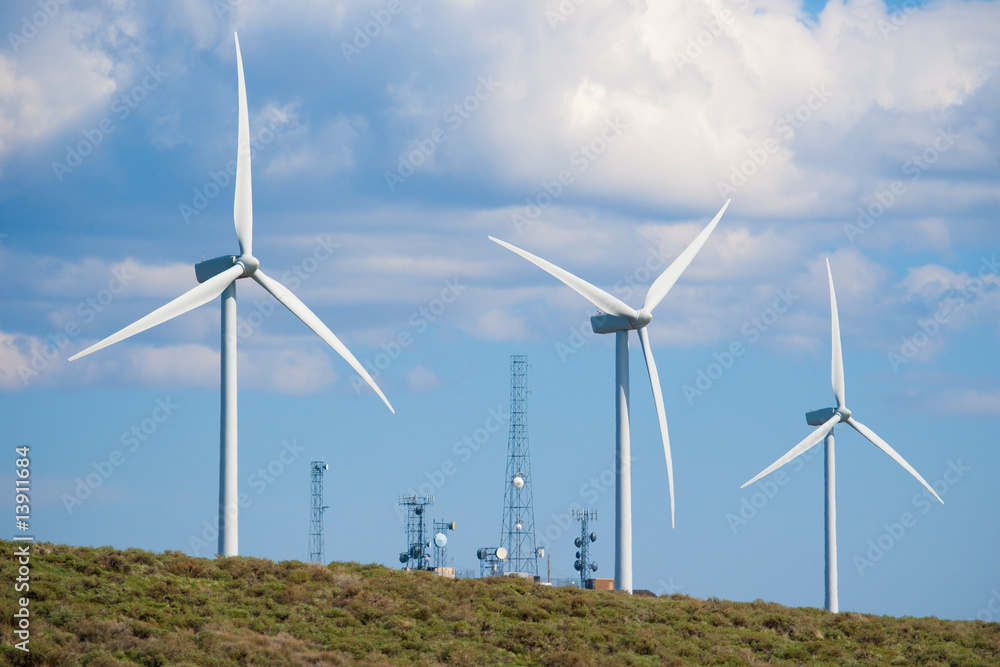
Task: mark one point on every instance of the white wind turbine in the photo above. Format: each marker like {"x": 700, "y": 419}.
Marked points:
{"x": 218, "y": 276}
{"x": 826, "y": 419}
{"x": 620, "y": 318}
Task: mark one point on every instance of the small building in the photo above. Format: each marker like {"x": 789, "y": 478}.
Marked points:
{"x": 601, "y": 584}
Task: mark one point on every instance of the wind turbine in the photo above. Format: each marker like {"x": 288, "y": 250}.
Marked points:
{"x": 619, "y": 318}
{"x": 218, "y": 276}
{"x": 826, "y": 419}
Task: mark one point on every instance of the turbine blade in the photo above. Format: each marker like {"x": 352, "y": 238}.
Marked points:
{"x": 800, "y": 448}
{"x": 300, "y": 310}
{"x": 243, "y": 204}
{"x": 598, "y": 297}
{"x": 837, "y": 372}
{"x": 884, "y": 446}
{"x": 662, "y": 285}
{"x": 654, "y": 381}
{"x": 190, "y": 300}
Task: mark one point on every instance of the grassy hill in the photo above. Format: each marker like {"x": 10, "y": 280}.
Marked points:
{"x": 108, "y": 607}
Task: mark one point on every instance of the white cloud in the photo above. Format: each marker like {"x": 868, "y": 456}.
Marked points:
{"x": 420, "y": 379}
{"x": 967, "y": 401}
{"x": 289, "y": 371}
{"x": 69, "y": 68}
{"x": 769, "y": 74}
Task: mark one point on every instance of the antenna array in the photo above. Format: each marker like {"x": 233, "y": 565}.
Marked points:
{"x": 316, "y": 509}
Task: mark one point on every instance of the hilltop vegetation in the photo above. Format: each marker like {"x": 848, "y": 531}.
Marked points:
{"x": 105, "y": 607}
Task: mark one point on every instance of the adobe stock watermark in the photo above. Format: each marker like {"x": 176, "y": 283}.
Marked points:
{"x": 914, "y": 167}
{"x": 785, "y": 128}
{"x": 666, "y": 587}
{"x": 698, "y": 45}
{"x": 764, "y": 491}
{"x": 453, "y": 118}
{"x": 580, "y": 161}
{"x": 897, "y": 19}
{"x": 463, "y": 450}
{"x": 223, "y": 8}
{"x": 991, "y": 612}
{"x": 32, "y": 24}
{"x": 894, "y": 532}
{"x": 752, "y": 330}
{"x": 216, "y": 181}
{"x": 87, "y": 311}
{"x": 954, "y": 301}
{"x": 205, "y": 542}
{"x": 121, "y": 107}
{"x": 371, "y": 30}
{"x": 562, "y": 11}
{"x": 591, "y": 492}
{"x": 419, "y": 321}
{"x": 131, "y": 441}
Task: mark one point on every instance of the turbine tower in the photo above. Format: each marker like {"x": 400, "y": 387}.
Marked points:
{"x": 619, "y": 318}
{"x": 517, "y": 533}
{"x": 827, "y": 419}
{"x": 218, "y": 276}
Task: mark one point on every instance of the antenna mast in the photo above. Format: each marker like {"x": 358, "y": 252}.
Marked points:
{"x": 517, "y": 534}
{"x": 316, "y": 509}
{"x": 417, "y": 555}
{"x": 583, "y": 544}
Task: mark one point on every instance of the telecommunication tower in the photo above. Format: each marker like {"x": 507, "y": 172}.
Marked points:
{"x": 417, "y": 555}
{"x": 517, "y": 535}
{"x": 491, "y": 561}
{"x": 441, "y": 529}
{"x": 316, "y": 509}
{"x": 582, "y": 543}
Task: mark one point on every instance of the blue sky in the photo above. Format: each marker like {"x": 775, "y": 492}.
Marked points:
{"x": 852, "y": 132}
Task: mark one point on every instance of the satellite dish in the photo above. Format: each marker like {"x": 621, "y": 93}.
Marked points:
{"x": 418, "y": 510}
{"x": 519, "y": 481}
{"x": 440, "y": 540}
{"x": 451, "y": 526}
{"x": 593, "y": 566}
{"x": 501, "y": 553}
{"x": 518, "y": 526}
{"x": 481, "y": 554}
{"x": 417, "y": 551}
{"x": 403, "y": 557}
{"x": 577, "y": 554}
{"x": 578, "y": 565}
{"x": 578, "y": 542}
{"x": 593, "y": 537}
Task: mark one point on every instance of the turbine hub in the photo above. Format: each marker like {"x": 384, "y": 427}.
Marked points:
{"x": 249, "y": 263}
{"x": 844, "y": 413}
{"x": 643, "y": 318}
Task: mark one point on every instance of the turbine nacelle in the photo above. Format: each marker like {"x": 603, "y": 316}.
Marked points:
{"x": 605, "y": 323}
{"x": 213, "y": 267}
{"x": 820, "y": 417}
{"x": 210, "y": 268}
